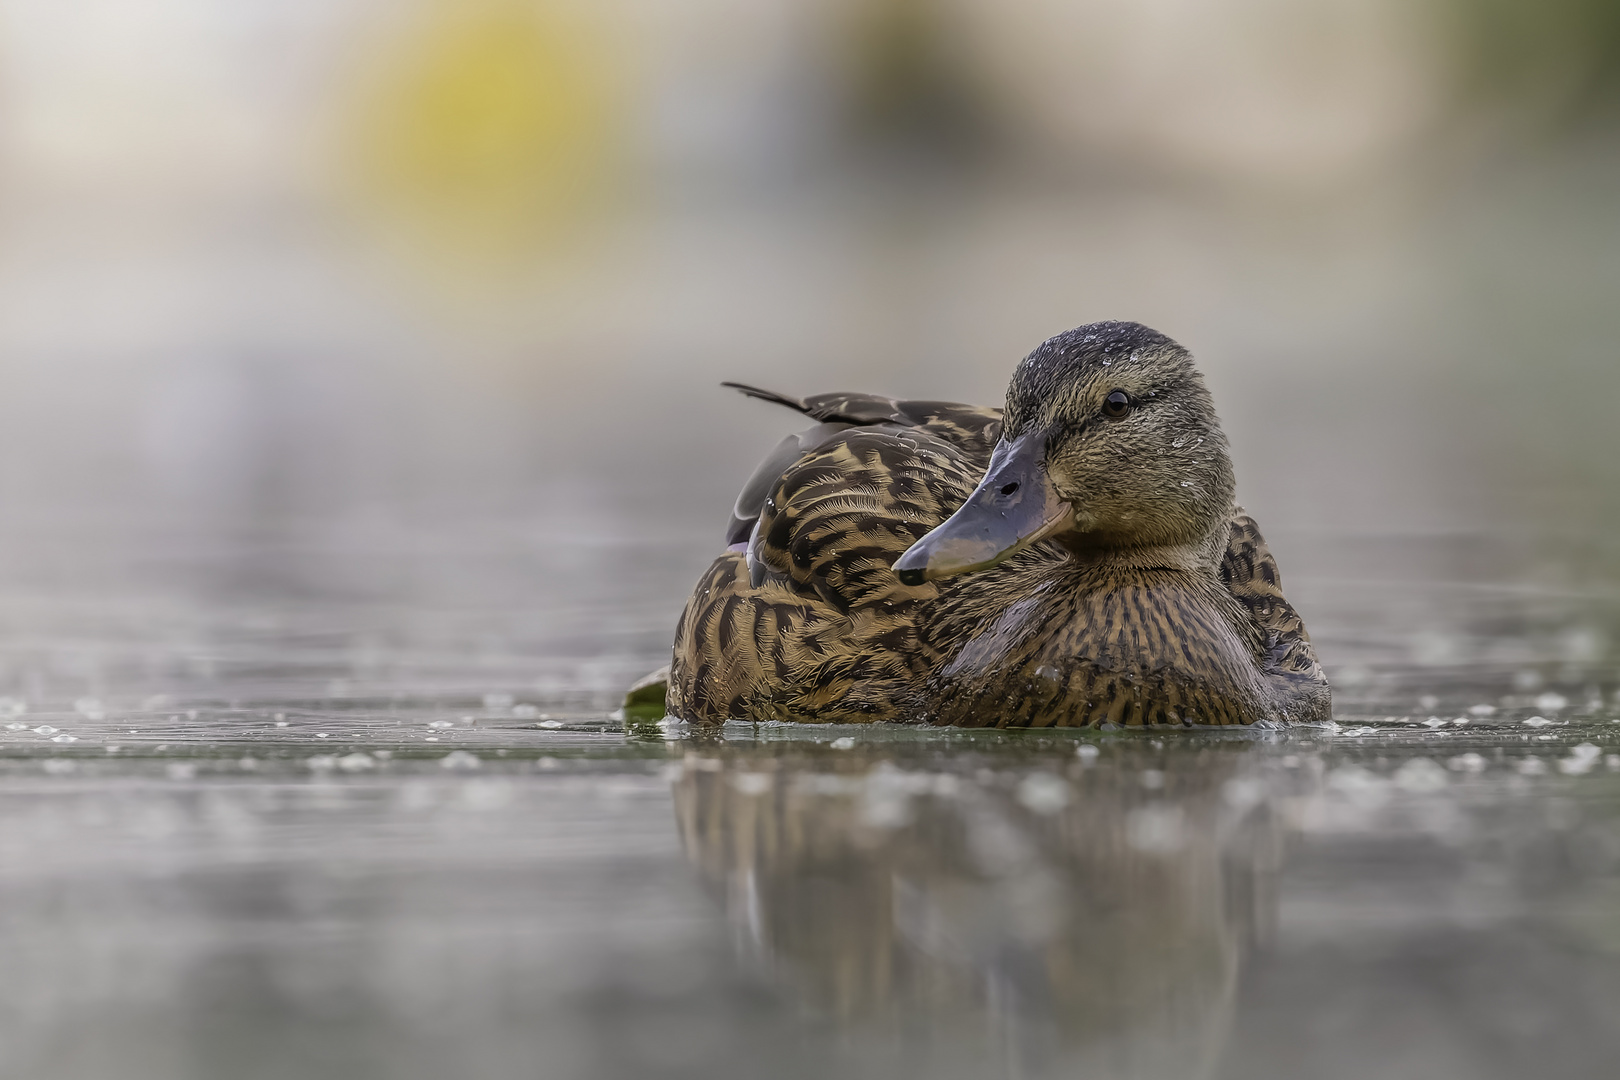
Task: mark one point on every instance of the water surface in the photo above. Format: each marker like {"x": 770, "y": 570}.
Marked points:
{"x": 310, "y": 803}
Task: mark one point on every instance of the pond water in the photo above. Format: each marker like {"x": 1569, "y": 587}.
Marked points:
{"x": 329, "y": 802}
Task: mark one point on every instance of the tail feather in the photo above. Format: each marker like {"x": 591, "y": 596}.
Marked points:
{"x": 769, "y": 395}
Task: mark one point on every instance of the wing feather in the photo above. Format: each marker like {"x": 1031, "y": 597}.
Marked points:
{"x": 823, "y": 629}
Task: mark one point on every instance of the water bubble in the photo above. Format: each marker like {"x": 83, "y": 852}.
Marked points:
{"x": 1243, "y": 792}
{"x": 1043, "y": 793}
{"x": 1087, "y": 753}
{"x": 549, "y": 725}
{"x": 1152, "y": 779}
{"x": 1531, "y": 767}
{"x": 1580, "y": 761}
{"x": 1583, "y": 645}
{"x": 65, "y": 738}
{"x": 1482, "y": 710}
{"x": 497, "y": 701}
{"x": 16, "y": 727}
{"x": 845, "y": 743}
{"x": 89, "y": 708}
{"x": 322, "y": 735}
{"x": 181, "y": 770}
{"x": 1470, "y": 762}
{"x": 1154, "y": 829}
{"x": 356, "y": 762}
{"x": 440, "y": 725}
{"x": 1428, "y": 701}
{"x": 44, "y": 729}
{"x": 1525, "y": 681}
{"x": 525, "y": 712}
{"x": 1434, "y": 647}
{"x": 459, "y": 759}
{"x": 490, "y": 794}
{"x": 1535, "y": 721}
{"x": 885, "y": 809}
{"x": 751, "y": 783}
{"x": 10, "y": 706}
{"x": 1361, "y": 787}
{"x": 1420, "y": 776}
{"x": 1551, "y": 701}
{"x": 58, "y": 766}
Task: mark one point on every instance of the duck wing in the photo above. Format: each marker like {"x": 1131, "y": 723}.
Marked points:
{"x": 812, "y": 624}
{"x": 972, "y": 429}
{"x": 1250, "y": 574}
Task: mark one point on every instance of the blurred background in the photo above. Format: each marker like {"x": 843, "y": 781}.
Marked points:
{"x": 407, "y": 317}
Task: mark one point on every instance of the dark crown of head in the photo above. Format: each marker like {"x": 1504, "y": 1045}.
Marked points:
{"x": 1058, "y": 362}
{"x": 1096, "y": 345}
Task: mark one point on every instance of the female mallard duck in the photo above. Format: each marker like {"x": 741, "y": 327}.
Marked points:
{"x": 1074, "y": 560}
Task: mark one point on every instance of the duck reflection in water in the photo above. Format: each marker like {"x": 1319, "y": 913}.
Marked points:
{"x": 1087, "y": 909}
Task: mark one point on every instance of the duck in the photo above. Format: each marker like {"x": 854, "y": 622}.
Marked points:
{"x": 1075, "y": 558}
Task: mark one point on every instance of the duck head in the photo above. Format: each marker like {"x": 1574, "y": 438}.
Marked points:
{"x": 1109, "y": 444}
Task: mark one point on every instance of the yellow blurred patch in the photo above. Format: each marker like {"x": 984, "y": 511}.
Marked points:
{"x": 490, "y": 127}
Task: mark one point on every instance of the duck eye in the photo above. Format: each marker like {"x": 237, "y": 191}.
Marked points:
{"x": 1116, "y": 404}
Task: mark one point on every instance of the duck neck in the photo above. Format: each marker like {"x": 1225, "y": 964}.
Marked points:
{"x": 1199, "y": 556}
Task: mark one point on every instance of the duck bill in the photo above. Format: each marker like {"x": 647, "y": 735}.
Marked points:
{"x": 1014, "y": 506}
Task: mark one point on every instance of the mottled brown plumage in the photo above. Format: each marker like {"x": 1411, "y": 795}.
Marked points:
{"x": 1076, "y": 561}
